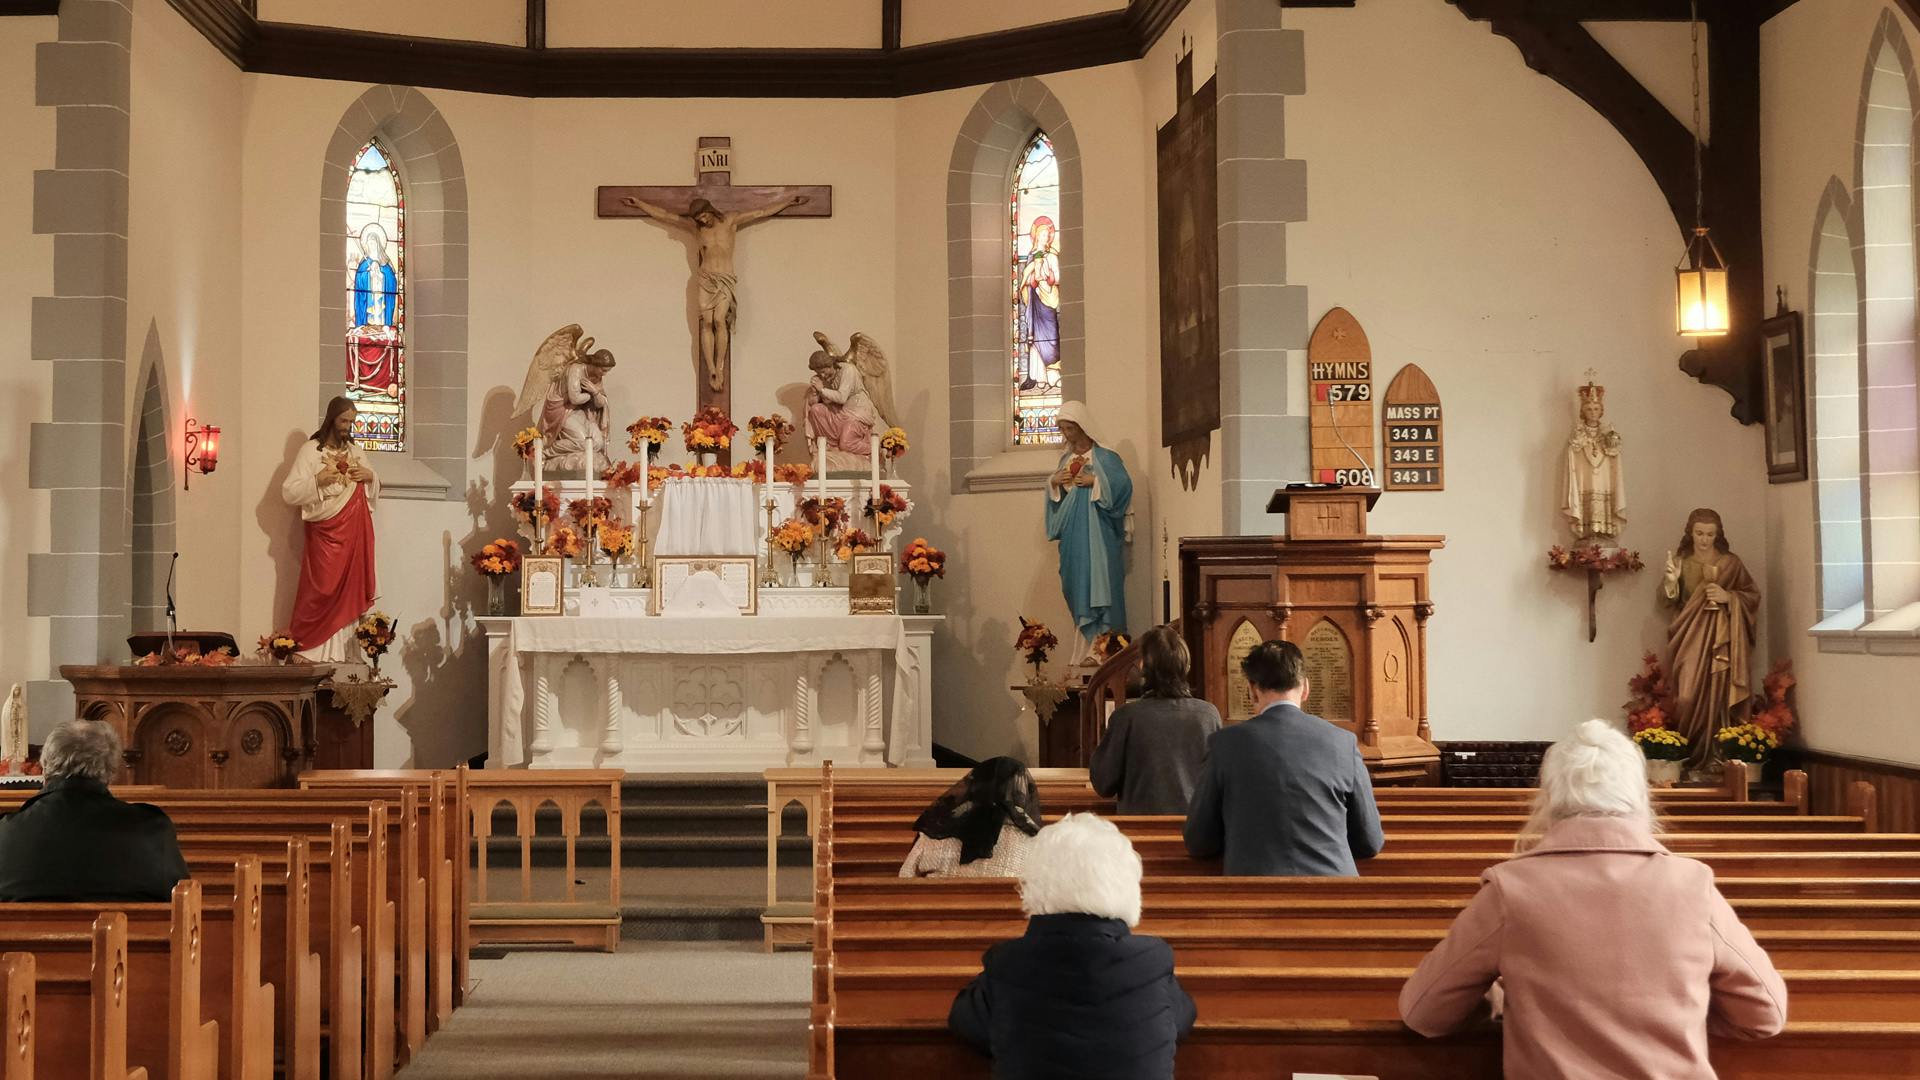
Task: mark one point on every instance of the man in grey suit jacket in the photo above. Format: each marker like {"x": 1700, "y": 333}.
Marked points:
{"x": 1284, "y": 794}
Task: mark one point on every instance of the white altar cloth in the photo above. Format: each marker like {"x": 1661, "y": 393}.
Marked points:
{"x": 710, "y": 516}
{"x": 689, "y": 691}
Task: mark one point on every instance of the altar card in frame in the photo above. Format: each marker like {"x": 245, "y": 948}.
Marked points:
{"x": 1410, "y": 428}
{"x": 543, "y": 585}
{"x": 870, "y": 585}
{"x": 738, "y": 575}
{"x": 1340, "y": 411}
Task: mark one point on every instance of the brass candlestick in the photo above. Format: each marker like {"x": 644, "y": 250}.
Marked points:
{"x": 824, "y": 579}
{"x": 768, "y": 577}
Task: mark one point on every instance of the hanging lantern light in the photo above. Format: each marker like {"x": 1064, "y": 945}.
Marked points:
{"x": 1700, "y": 300}
{"x": 1700, "y": 280}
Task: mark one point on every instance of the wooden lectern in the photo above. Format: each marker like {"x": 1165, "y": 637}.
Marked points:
{"x": 1355, "y": 603}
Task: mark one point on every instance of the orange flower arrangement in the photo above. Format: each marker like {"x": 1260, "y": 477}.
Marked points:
{"x": 1771, "y": 710}
{"x": 792, "y": 474}
{"x": 279, "y": 645}
{"x": 793, "y": 536}
{"x": 220, "y": 657}
{"x": 498, "y": 558}
{"x": 648, "y": 429}
{"x": 620, "y": 475}
{"x": 775, "y": 427}
{"x": 825, "y": 515}
{"x": 1036, "y": 641}
{"x": 1108, "y": 644}
{"x": 1652, "y": 702}
{"x": 708, "y": 431}
{"x": 754, "y": 470}
{"x": 616, "y": 540}
{"x": 922, "y": 561}
{"x": 565, "y": 542}
{"x": 854, "y": 542}
{"x": 523, "y": 441}
{"x": 893, "y": 443}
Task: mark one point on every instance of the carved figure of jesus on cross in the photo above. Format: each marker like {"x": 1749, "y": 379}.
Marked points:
{"x": 714, "y": 211}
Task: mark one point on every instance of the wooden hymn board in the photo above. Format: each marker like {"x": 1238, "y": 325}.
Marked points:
{"x": 1410, "y": 424}
{"x": 1340, "y": 413}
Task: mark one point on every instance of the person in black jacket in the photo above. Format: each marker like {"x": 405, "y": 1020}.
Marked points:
{"x": 1080, "y": 997}
{"x": 74, "y": 841}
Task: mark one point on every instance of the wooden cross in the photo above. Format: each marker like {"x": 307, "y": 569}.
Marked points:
{"x": 716, "y": 284}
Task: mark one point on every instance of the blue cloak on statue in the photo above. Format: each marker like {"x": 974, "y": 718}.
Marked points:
{"x": 1090, "y": 525}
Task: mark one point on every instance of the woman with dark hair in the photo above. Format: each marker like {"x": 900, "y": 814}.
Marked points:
{"x": 335, "y": 489}
{"x": 982, "y": 826}
{"x": 1151, "y": 754}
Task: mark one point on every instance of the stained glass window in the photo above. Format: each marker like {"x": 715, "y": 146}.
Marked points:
{"x": 377, "y": 300}
{"x": 1034, "y": 349}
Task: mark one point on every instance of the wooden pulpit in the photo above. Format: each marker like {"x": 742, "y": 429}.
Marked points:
{"x": 1356, "y": 604}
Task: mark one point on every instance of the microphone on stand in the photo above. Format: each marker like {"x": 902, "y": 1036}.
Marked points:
{"x": 173, "y": 622}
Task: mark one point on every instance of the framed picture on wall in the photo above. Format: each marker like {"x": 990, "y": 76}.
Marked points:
{"x": 1784, "y": 368}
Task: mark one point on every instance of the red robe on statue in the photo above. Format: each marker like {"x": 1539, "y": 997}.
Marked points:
{"x": 336, "y": 573}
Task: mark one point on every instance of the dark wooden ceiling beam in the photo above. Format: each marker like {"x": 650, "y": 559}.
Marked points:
{"x": 889, "y": 24}
{"x": 536, "y": 24}
{"x": 228, "y": 26}
{"x": 29, "y": 7}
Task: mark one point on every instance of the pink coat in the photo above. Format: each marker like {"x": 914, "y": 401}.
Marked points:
{"x": 1617, "y": 959}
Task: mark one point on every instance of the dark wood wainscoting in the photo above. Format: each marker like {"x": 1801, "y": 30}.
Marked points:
{"x": 1896, "y": 786}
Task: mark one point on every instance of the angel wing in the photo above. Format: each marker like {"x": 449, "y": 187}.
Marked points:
{"x": 864, "y": 353}
{"x": 550, "y": 361}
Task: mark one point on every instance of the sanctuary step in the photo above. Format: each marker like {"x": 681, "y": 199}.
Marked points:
{"x": 692, "y": 854}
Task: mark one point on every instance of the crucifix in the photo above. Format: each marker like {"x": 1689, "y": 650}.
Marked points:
{"x": 711, "y": 211}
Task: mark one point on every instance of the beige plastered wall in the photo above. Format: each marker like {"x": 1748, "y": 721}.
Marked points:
{"x": 26, "y": 393}
{"x": 1812, "y": 58}
{"x": 1482, "y": 222}
{"x": 184, "y": 265}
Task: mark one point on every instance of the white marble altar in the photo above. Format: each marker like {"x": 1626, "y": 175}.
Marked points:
{"x": 800, "y": 683}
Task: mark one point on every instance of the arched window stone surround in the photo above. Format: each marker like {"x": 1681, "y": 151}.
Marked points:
{"x": 428, "y": 160}
{"x": 150, "y": 486}
{"x": 1890, "y": 414}
{"x": 980, "y": 414}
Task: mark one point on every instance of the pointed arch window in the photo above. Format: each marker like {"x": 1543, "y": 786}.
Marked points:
{"x": 376, "y": 284}
{"x": 1033, "y": 208}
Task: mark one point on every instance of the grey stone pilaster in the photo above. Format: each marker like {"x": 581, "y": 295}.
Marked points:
{"x": 1264, "y": 320}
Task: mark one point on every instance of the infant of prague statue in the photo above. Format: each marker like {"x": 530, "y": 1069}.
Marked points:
{"x": 334, "y": 489}
{"x": 566, "y": 383}
{"x": 1087, "y": 502}
{"x": 1711, "y": 635}
{"x": 1596, "y": 497}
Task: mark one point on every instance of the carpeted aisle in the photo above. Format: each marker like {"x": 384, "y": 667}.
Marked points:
{"x": 655, "y": 1009}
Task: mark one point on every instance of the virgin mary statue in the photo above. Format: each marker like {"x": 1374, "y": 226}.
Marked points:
{"x": 1711, "y": 635}
{"x": 1087, "y": 501}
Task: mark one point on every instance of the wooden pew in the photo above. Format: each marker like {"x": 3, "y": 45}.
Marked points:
{"x": 16, "y": 1036}
{"x": 448, "y": 858}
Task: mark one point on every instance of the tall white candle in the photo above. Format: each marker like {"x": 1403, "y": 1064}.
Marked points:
{"x": 820, "y": 467}
{"x": 766, "y": 495}
{"x": 646, "y": 466}
{"x": 873, "y": 454}
{"x": 539, "y": 464}
{"x": 587, "y": 472}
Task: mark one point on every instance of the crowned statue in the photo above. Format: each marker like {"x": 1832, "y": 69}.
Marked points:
{"x": 1596, "y": 492}
{"x": 565, "y": 381}
{"x": 849, "y": 398}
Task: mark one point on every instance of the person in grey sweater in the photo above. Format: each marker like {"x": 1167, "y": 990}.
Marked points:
{"x": 1150, "y": 756}
{"x": 1285, "y": 794}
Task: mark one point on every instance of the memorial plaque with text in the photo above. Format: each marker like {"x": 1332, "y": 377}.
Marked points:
{"x": 1240, "y": 692}
{"x": 1329, "y": 661}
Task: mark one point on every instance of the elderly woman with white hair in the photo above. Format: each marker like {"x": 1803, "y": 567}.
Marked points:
{"x": 74, "y": 841}
{"x": 1080, "y": 995}
{"x": 1607, "y": 954}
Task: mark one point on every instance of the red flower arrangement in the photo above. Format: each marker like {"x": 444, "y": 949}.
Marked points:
{"x": 620, "y": 475}
{"x": 854, "y": 542}
{"x": 497, "y": 558}
{"x": 1771, "y": 709}
{"x": 648, "y": 429}
{"x": 709, "y": 431}
{"x": 922, "y": 561}
{"x": 1593, "y": 557}
{"x": 1651, "y": 705}
{"x": 886, "y": 506}
{"x": 590, "y": 517}
{"x": 1036, "y": 641}
{"x": 524, "y": 504}
{"x": 827, "y": 516}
